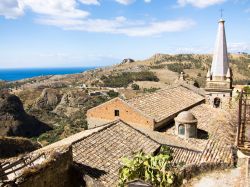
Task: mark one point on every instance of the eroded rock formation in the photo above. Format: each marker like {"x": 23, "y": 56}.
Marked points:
{"x": 14, "y": 121}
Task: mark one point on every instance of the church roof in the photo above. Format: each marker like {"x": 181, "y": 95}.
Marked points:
{"x": 99, "y": 155}
{"x": 217, "y": 148}
{"x": 220, "y": 59}
{"x": 166, "y": 102}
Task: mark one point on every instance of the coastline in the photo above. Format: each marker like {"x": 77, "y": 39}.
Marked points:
{"x": 24, "y": 74}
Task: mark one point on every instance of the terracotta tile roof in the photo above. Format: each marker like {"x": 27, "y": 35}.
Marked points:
{"x": 166, "y": 102}
{"x": 99, "y": 154}
{"x": 219, "y": 124}
{"x": 186, "y": 156}
{"x": 218, "y": 148}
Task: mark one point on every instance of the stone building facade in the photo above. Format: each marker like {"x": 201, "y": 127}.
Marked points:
{"x": 117, "y": 109}
{"x": 151, "y": 111}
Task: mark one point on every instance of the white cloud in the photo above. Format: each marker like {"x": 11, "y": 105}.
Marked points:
{"x": 67, "y": 15}
{"x": 125, "y": 2}
{"x": 56, "y": 8}
{"x": 90, "y": 2}
{"x": 121, "y": 25}
{"x": 239, "y": 47}
{"x": 157, "y": 28}
{"x": 11, "y": 9}
{"x": 200, "y": 3}
{"x": 128, "y": 2}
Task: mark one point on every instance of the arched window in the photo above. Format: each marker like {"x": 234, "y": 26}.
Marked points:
{"x": 216, "y": 102}
{"x": 181, "y": 130}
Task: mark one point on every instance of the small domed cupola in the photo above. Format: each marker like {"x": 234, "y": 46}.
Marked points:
{"x": 186, "y": 125}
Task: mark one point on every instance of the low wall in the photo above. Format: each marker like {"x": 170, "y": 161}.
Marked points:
{"x": 55, "y": 172}
{"x": 191, "y": 171}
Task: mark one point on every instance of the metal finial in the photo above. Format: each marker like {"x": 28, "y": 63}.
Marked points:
{"x": 221, "y": 13}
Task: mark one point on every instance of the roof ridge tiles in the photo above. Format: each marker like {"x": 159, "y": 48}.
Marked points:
{"x": 157, "y": 91}
{"x": 107, "y": 125}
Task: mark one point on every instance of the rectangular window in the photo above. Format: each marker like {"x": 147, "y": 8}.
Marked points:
{"x": 117, "y": 113}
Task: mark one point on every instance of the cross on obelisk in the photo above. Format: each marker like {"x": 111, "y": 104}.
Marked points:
{"x": 221, "y": 13}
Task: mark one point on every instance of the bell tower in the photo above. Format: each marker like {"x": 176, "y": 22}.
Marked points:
{"x": 219, "y": 77}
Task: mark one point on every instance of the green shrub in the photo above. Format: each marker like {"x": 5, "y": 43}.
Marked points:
{"x": 112, "y": 94}
{"x": 150, "y": 90}
{"x": 135, "y": 87}
{"x": 156, "y": 170}
{"x": 241, "y": 82}
{"x": 125, "y": 78}
{"x": 178, "y": 67}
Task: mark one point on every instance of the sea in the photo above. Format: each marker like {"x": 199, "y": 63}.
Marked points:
{"x": 23, "y": 73}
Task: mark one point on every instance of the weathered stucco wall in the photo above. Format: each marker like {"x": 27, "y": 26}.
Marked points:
{"x": 129, "y": 115}
{"x": 54, "y": 173}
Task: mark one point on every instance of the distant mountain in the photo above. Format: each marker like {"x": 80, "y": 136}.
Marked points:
{"x": 14, "y": 121}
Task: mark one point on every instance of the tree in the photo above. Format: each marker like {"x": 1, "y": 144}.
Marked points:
{"x": 112, "y": 93}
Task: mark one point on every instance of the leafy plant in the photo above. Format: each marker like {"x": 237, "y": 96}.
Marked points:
{"x": 135, "y": 87}
{"x": 156, "y": 170}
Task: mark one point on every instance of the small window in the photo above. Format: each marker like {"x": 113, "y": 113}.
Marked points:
{"x": 117, "y": 113}
{"x": 181, "y": 130}
{"x": 217, "y": 102}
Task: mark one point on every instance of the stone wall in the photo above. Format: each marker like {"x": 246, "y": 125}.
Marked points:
{"x": 191, "y": 171}
{"x": 129, "y": 115}
{"x": 53, "y": 173}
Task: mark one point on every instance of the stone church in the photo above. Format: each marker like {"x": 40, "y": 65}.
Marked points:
{"x": 219, "y": 77}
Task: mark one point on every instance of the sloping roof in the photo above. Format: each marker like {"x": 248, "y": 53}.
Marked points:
{"x": 166, "y": 102}
{"x": 218, "y": 148}
{"x": 99, "y": 154}
{"x": 187, "y": 156}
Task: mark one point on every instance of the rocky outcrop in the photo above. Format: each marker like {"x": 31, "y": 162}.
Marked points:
{"x": 71, "y": 103}
{"x": 11, "y": 147}
{"x": 14, "y": 121}
{"x": 48, "y": 100}
{"x": 127, "y": 61}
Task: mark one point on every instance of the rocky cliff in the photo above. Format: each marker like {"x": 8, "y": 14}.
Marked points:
{"x": 11, "y": 147}
{"x": 48, "y": 100}
{"x": 14, "y": 121}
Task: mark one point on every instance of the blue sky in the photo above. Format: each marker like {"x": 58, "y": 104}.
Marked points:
{"x": 64, "y": 33}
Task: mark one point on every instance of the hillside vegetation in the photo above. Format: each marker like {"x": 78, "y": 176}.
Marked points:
{"x": 61, "y": 101}
{"x": 196, "y": 66}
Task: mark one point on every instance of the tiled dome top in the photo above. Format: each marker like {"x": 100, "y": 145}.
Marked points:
{"x": 186, "y": 117}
